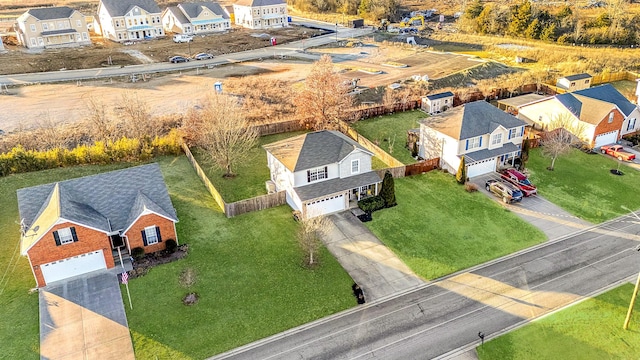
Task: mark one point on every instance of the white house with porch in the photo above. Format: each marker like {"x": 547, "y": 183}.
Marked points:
{"x": 322, "y": 172}
{"x": 196, "y": 18}
{"x": 129, "y": 20}
{"x": 261, "y": 14}
{"x": 487, "y": 137}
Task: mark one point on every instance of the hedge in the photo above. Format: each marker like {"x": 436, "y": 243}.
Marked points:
{"x": 371, "y": 204}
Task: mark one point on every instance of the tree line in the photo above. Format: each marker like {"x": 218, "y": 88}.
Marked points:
{"x": 368, "y": 9}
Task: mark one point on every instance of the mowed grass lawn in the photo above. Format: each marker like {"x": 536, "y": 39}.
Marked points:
{"x": 390, "y": 132}
{"x": 438, "y": 228}
{"x": 588, "y": 330}
{"x": 251, "y": 174}
{"x": 583, "y": 185}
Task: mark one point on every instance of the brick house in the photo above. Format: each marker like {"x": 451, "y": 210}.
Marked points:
{"x": 81, "y": 225}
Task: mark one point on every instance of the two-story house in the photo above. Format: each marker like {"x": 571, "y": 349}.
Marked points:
{"x": 129, "y": 20}
{"x": 52, "y": 27}
{"x": 574, "y": 82}
{"x": 436, "y": 103}
{"x": 487, "y": 137}
{"x": 196, "y": 18}
{"x": 76, "y": 226}
{"x": 321, "y": 172}
{"x": 260, "y": 14}
{"x": 598, "y": 116}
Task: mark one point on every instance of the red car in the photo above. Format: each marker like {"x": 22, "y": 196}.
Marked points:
{"x": 617, "y": 151}
{"x": 518, "y": 179}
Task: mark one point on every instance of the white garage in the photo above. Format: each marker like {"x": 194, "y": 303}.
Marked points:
{"x": 326, "y": 206}
{"x": 481, "y": 167}
{"x": 73, "y": 266}
{"x": 606, "y": 138}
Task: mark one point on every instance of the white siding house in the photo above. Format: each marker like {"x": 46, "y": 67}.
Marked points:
{"x": 260, "y": 14}
{"x": 129, "y": 20}
{"x": 437, "y": 103}
{"x": 196, "y": 18}
{"x": 52, "y": 27}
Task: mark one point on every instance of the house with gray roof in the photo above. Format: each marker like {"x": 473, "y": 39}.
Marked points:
{"x": 485, "y": 136}
{"x": 260, "y": 14}
{"x": 92, "y": 223}
{"x": 437, "y": 103}
{"x": 129, "y": 20}
{"x": 52, "y": 27}
{"x": 322, "y": 172}
{"x": 196, "y": 18}
{"x": 574, "y": 82}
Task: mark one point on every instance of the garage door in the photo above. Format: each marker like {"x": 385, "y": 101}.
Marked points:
{"x": 481, "y": 167}
{"x": 73, "y": 266}
{"x": 326, "y": 206}
{"x": 606, "y": 138}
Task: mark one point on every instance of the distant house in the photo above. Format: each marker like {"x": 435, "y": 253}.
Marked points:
{"x": 129, "y": 20}
{"x": 487, "y": 138}
{"x": 321, "y": 172}
{"x": 513, "y": 104}
{"x": 575, "y": 82}
{"x": 52, "y": 27}
{"x": 196, "y": 18}
{"x": 599, "y": 115}
{"x": 1, "y": 44}
{"x": 436, "y": 103}
{"x": 76, "y": 226}
{"x": 260, "y": 14}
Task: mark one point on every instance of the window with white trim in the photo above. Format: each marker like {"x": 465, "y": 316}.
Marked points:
{"x": 355, "y": 166}
{"x": 474, "y": 143}
{"x": 65, "y": 236}
{"x": 151, "y": 235}
{"x": 33, "y": 27}
{"x": 610, "y": 117}
{"x": 497, "y": 138}
{"x": 45, "y": 26}
{"x": 632, "y": 124}
{"x": 512, "y": 133}
{"x": 316, "y": 174}
{"x": 33, "y": 42}
{"x": 79, "y": 23}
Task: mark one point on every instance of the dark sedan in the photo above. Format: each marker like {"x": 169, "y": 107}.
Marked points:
{"x": 178, "y": 59}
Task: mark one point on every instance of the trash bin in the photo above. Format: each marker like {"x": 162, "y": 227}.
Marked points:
{"x": 273, "y": 41}
{"x": 218, "y": 87}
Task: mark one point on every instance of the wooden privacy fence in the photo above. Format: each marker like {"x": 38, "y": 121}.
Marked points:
{"x": 207, "y": 183}
{"x": 367, "y": 144}
{"x": 614, "y": 76}
{"x": 396, "y": 172}
{"x": 422, "y": 167}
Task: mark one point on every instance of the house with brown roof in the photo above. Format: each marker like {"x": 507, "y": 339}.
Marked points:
{"x": 260, "y": 14}
{"x": 52, "y": 27}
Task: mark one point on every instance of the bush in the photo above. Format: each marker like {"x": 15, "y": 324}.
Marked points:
{"x": 171, "y": 245}
{"x": 470, "y": 187}
{"x": 371, "y": 204}
{"x": 137, "y": 253}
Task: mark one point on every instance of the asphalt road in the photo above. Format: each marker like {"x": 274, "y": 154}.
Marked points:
{"x": 443, "y": 318}
{"x": 289, "y": 49}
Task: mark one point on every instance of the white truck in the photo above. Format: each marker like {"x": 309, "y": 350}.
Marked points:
{"x": 182, "y": 38}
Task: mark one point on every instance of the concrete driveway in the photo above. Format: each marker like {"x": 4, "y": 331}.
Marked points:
{"x": 84, "y": 318}
{"x": 538, "y": 211}
{"x": 378, "y": 271}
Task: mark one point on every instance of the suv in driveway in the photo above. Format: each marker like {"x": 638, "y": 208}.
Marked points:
{"x": 506, "y": 191}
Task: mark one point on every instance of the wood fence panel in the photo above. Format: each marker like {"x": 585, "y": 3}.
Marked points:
{"x": 207, "y": 183}
{"x": 256, "y": 204}
{"x": 280, "y": 127}
{"x": 383, "y": 155}
{"x": 396, "y": 172}
{"x": 422, "y": 167}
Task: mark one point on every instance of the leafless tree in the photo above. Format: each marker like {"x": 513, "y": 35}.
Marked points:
{"x": 100, "y": 119}
{"x": 222, "y": 130}
{"x": 135, "y": 116}
{"x": 561, "y": 133}
{"x": 49, "y": 133}
{"x": 324, "y": 100}
{"x": 309, "y": 237}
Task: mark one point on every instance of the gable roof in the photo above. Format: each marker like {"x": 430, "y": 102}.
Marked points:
{"x": 193, "y": 10}
{"x": 571, "y": 103}
{"x": 578, "y": 77}
{"x": 107, "y": 202}
{"x": 179, "y": 15}
{"x": 121, "y": 7}
{"x": 253, "y": 3}
{"x": 608, "y": 93}
{"x": 471, "y": 120}
{"x": 313, "y": 149}
{"x": 50, "y": 13}
{"x": 440, "y": 95}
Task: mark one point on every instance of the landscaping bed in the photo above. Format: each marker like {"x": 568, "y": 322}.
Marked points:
{"x": 142, "y": 266}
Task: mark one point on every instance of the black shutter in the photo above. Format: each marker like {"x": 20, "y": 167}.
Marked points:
{"x": 326, "y": 173}
{"x": 73, "y": 234}
{"x": 144, "y": 238}
{"x": 56, "y": 238}
{"x": 158, "y": 234}
{"x": 308, "y": 175}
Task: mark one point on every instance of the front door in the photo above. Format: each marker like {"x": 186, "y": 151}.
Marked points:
{"x": 116, "y": 241}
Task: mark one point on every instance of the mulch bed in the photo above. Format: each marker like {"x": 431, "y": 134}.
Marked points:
{"x": 141, "y": 267}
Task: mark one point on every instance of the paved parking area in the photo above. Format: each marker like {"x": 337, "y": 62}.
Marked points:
{"x": 538, "y": 211}
{"x": 84, "y": 318}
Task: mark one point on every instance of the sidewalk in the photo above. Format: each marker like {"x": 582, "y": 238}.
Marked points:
{"x": 374, "y": 267}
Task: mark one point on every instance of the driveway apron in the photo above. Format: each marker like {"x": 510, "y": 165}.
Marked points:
{"x": 84, "y": 318}
{"x": 375, "y": 268}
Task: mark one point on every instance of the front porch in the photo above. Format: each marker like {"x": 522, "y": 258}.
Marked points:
{"x": 362, "y": 192}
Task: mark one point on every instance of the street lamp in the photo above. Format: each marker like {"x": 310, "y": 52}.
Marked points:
{"x": 625, "y": 326}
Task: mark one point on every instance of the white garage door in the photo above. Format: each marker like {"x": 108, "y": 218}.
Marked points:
{"x": 606, "y": 138}
{"x": 73, "y": 266}
{"x": 481, "y": 167}
{"x": 326, "y": 206}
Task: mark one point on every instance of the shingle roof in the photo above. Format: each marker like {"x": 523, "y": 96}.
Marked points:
{"x": 58, "y": 32}
{"x": 108, "y": 201}
{"x": 313, "y": 149}
{"x": 121, "y": 7}
{"x": 260, "y": 2}
{"x": 440, "y": 95}
{"x": 50, "y": 13}
{"x": 506, "y": 148}
{"x": 571, "y": 103}
{"x": 337, "y": 185}
{"x": 578, "y": 77}
{"x": 608, "y": 93}
{"x": 193, "y": 10}
{"x": 179, "y": 15}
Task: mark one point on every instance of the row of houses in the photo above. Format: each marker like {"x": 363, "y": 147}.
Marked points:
{"x": 135, "y": 20}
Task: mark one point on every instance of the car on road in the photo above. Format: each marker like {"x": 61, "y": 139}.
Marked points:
{"x": 618, "y": 152}
{"x": 520, "y": 180}
{"x": 506, "y": 191}
{"x": 203, "y": 56}
{"x": 178, "y": 59}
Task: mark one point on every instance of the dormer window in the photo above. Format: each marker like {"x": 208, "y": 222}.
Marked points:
{"x": 497, "y": 138}
{"x": 317, "y": 174}
{"x": 355, "y": 166}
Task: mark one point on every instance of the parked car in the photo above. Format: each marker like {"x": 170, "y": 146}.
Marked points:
{"x": 506, "y": 191}
{"x": 520, "y": 180}
{"x": 178, "y": 59}
{"x": 181, "y": 38}
{"x": 617, "y": 151}
{"x": 203, "y": 56}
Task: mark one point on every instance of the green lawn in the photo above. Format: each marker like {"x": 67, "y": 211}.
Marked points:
{"x": 391, "y": 129}
{"x": 626, "y": 88}
{"x": 583, "y": 185}
{"x": 589, "y": 330}
{"x": 252, "y": 173}
{"x": 439, "y": 228}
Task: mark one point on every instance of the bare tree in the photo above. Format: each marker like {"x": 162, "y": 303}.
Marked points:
{"x": 100, "y": 119}
{"x": 136, "y": 119}
{"x": 561, "y": 133}
{"x": 309, "y": 234}
{"x": 222, "y": 130}
{"x": 324, "y": 101}
{"x": 49, "y": 133}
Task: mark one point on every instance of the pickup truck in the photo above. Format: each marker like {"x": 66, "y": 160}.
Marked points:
{"x": 617, "y": 151}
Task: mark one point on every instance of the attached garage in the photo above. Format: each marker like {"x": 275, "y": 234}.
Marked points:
{"x": 481, "y": 167}
{"x": 606, "y": 138}
{"x": 326, "y": 206}
{"x": 73, "y": 266}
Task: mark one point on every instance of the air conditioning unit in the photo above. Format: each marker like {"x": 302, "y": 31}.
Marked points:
{"x": 271, "y": 186}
